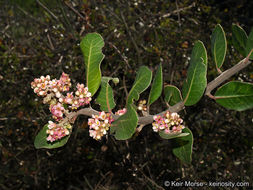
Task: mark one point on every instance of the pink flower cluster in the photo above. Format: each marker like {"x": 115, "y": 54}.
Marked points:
{"x": 81, "y": 98}
{"x": 121, "y": 112}
{"x": 43, "y": 86}
{"x": 57, "y": 110}
{"x": 52, "y": 91}
{"x": 100, "y": 124}
{"x": 169, "y": 122}
{"x": 56, "y": 132}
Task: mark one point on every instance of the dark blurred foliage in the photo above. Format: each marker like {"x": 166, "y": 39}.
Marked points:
{"x": 40, "y": 37}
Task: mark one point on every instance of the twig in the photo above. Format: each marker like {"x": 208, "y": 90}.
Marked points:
{"x": 138, "y": 129}
{"x": 149, "y": 179}
{"x": 87, "y": 182}
{"x": 226, "y": 75}
{"x": 74, "y": 10}
{"x": 44, "y": 7}
{"x": 178, "y": 14}
{"x": 50, "y": 42}
{"x": 145, "y": 120}
{"x": 177, "y": 11}
{"x": 121, "y": 55}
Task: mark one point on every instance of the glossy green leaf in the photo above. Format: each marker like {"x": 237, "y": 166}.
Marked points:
{"x": 41, "y": 140}
{"x": 249, "y": 45}
{"x": 124, "y": 127}
{"x": 218, "y": 45}
{"x": 239, "y": 39}
{"x": 235, "y": 95}
{"x": 157, "y": 86}
{"x": 105, "y": 97}
{"x": 172, "y": 95}
{"x": 195, "y": 83}
{"x": 91, "y": 46}
{"x": 182, "y": 147}
{"x": 141, "y": 83}
{"x": 171, "y": 136}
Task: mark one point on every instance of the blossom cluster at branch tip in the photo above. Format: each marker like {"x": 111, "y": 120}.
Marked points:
{"x": 56, "y": 132}
{"x": 169, "y": 123}
{"x": 100, "y": 124}
{"x": 43, "y": 86}
{"x": 53, "y": 93}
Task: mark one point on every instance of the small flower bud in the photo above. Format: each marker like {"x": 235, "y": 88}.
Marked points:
{"x": 115, "y": 80}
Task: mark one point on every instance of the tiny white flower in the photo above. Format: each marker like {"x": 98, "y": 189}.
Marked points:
{"x": 58, "y": 94}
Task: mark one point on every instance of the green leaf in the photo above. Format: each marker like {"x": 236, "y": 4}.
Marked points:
{"x": 41, "y": 140}
{"x": 218, "y": 45}
{"x": 198, "y": 51}
{"x": 249, "y": 45}
{"x": 235, "y": 96}
{"x": 195, "y": 83}
{"x": 182, "y": 147}
{"x": 239, "y": 39}
{"x": 157, "y": 86}
{"x": 171, "y": 136}
{"x": 124, "y": 127}
{"x": 141, "y": 83}
{"x": 91, "y": 46}
{"x": 105, "y": 97}
{"x": 172, "y": 95}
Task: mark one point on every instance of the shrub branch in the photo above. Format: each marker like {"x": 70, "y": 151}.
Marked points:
{"x": 226, "y": 75}
{"x": 145, "y": 120}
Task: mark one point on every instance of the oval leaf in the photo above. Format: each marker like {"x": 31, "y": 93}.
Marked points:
{"x": 239, "y": 39}
{"x": 141, "y": 83}
{"x": 41, "y": 140}
{"x": 105, "y": 97}
{"x": 199, "y": 51}
{"x": 91, "y": 46}
{"x": 172, "y": 95}
{"x": 182, "y": 147}
{"x": 124, "y": 127}
{"x": 249, "y": 45}
{"x": 157, "y": 86}
{"x": 218, "y": 46}
{"x": 235, "y": 95}
{"x": 195, "y": 83}
{"x": 171, "y": 136}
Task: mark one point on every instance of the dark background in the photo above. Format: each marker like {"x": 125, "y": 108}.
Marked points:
{"x": 42, "y": 37}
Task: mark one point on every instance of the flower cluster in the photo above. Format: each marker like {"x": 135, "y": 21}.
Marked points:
{"x": 82, "y": 97}
{"x": 169, "y": 122}
{"x": 57, "y": 110}
{"x": 53, "y": 93}
{"x": 43, "y": 86}
{"x": 121, "y": 112}
{"x": 142, "y": 105}
{"x": 56, "y": 132}
{"x": 100, "y": 124}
